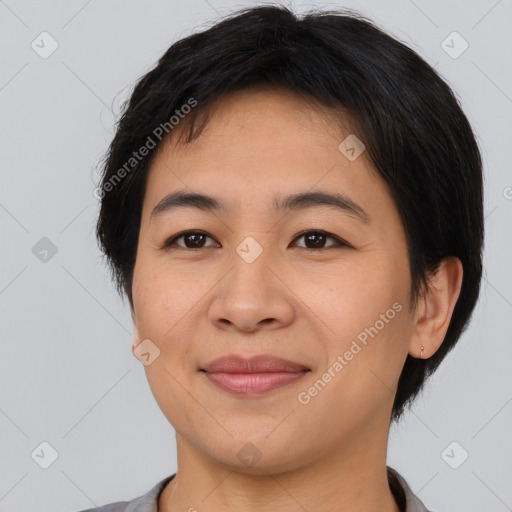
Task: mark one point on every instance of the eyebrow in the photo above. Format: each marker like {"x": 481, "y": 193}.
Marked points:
{"x": 293, "y": 202}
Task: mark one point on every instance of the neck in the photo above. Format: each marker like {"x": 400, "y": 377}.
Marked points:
{"x": 351, "y": 478}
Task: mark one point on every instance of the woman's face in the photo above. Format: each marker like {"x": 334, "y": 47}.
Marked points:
{"x": 252, "y": 283}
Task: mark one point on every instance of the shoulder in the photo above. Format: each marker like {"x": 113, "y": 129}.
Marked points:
{"x": 406, "y": 499}
{"x": 118, "y": 506}
{"x": 146, "y": 503}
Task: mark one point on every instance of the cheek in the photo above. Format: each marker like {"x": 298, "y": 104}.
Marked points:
{"x": 163, "y": 298}
{"x": 364, "y": 363}
{"x": 164, "y": 309}
{"x": 364, "y": 316}
{"x": 351, "y": 298}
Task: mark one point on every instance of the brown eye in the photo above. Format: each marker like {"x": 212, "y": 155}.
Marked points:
{"x": 191, "y": 240}
{"x": 314, "y": 240}
{"x": 317, "y": 239}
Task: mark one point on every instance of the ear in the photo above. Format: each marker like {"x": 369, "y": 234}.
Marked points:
{"x": 136, "y": 335}
{"x": 434, "y": 310}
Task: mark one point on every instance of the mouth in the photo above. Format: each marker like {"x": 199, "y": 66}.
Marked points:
{"x": 252, "y": 377}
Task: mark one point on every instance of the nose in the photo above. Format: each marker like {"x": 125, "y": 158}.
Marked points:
{"x": 252, "y": 296}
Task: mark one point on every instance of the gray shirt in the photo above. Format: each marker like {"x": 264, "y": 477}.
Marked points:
{"x": 405, "y": 498}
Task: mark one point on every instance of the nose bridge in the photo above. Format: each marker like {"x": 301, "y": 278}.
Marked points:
{"x": 250, "y": 275}
{"x": 251, "y": 296}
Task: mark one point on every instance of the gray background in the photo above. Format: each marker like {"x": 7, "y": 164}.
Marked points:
{"x": 68, "y": 376}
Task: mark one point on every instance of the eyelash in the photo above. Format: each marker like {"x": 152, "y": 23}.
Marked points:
{"x": 171, "y": 242}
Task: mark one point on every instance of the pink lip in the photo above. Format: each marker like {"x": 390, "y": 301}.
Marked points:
{"x": 253, "y": 376}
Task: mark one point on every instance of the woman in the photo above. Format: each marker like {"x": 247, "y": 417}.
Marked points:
{"x": 293, "y": 207}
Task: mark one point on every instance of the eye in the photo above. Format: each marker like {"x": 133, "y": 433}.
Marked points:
{"x": 192, "y": 240}
{"x": 314, "y": 239}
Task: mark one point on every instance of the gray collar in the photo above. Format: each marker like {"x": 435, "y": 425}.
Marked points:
{"x": 149, "y": 501}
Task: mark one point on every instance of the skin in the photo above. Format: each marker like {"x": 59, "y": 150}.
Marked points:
{"x": 293, "y": 302}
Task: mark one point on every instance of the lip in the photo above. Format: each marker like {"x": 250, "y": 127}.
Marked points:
{"x": 255, "y": 364}
{"x": 254, "y": 376}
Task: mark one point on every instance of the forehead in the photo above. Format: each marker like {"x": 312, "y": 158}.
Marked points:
{"x": 257, "y": 144}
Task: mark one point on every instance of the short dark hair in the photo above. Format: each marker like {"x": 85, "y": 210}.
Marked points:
{"x": 414, "y": 130}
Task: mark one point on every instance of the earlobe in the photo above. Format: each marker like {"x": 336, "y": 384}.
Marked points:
{"x": 435, "y": 308}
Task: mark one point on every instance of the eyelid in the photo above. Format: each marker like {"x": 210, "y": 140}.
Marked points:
{"x": 339, "y": 241}
{"x": 171, "y": 242}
